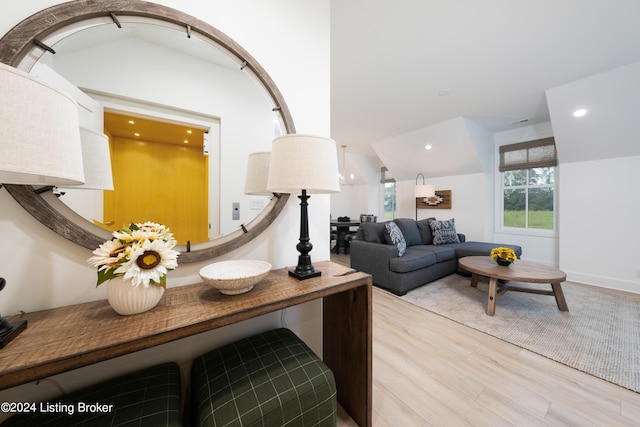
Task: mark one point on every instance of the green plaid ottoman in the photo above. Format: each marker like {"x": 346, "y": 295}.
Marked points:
{"x": 149, "y": 397}
{"x": 269, "y": 379}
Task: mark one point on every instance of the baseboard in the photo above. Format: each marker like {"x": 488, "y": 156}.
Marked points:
{"x": 604, "y": 282}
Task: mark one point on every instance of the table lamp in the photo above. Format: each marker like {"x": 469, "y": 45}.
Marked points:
{"x": 307, "y": 164}
{"x": 96, "y": 159}
{"x": 255, "y": 182}
{"x": 39, "y": 142}
{"x": 39, "y": 132}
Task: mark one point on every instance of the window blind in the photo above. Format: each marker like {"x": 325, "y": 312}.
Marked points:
{"x": 526, "y": 155}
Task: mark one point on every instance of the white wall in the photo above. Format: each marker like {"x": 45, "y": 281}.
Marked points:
{"x": 599, "y": 157}
{"x": 351, "y": 201}
{"x": 599, "y": 225}
{"x": 44, "y": 270}
{"x": 364, "y": 195}
{"x": 467, "y": 203}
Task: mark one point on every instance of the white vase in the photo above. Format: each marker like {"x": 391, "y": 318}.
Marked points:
{"x": 126, "y": 299}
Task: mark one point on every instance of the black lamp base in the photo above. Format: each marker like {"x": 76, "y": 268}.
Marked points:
{"x": 304, "y": 269}
{"x": 11, "y": 331}
{"x": 302, "y": 274}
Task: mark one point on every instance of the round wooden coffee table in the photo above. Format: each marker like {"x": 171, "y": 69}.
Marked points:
{"x": 521, "y": 271}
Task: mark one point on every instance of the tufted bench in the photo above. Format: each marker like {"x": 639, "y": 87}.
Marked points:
{"x": 149, "y": 397}
{"x": 270, "y": 379}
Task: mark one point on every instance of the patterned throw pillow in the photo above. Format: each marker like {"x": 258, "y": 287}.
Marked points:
{"x": 444, "y": 231}
{"x": 396, "y": 237}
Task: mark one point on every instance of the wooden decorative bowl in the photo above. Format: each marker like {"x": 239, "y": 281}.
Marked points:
{"x": 236, "y": 276}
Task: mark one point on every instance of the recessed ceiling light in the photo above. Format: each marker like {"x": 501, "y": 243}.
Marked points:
{"x": 443, "y": 92}
{"x": 189, "y": 131}
{"x": 186, "y": 141}
{"x": 131, "y": 122}
{"x": 428, "y": 147}
{"x": 580, "y": 112}
{"x": 136, "y": 134}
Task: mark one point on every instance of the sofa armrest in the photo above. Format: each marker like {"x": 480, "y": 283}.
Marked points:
{"x": 373, "y": 258}
{"x": 462, "y": 238}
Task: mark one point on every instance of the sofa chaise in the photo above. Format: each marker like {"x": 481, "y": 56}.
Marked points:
{"x": 403, "y": 254}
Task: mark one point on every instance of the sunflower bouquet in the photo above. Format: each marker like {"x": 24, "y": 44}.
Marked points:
{"x": 506, "y": 254}
{"x": 142, "y": 253}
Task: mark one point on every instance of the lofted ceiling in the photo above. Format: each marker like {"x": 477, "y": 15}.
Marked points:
{"x": 403, "y": 72}
{"x": 445, "y": 73}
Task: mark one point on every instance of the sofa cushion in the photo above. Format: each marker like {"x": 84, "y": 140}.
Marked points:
{"x": 373, "y": 232}
{"x": 396, "y": 237}
{"x": 444, "y": 231}
{"x": 442, "y": 252}
{"x": 409, "y": 230}
{"x": 425, "y": 230}
{"x": 414, "y": 259}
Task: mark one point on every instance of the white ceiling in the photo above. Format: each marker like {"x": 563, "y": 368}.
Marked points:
{"x": 496, "y": 59}
{"x": 444, "y": 72}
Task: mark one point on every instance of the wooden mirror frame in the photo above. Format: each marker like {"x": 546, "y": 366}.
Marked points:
{"x": 16, "y": 44}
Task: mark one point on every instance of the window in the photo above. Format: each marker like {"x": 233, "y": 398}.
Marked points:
{"x": 528, "y": 198}
{"x": 528, "y": 172}
{"x": 389, "y": 194}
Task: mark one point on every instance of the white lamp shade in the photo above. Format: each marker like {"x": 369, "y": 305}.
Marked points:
{"x": 257, "y": 174}
{"x": 303, "y": 162}
{"x": 96, "y": 158}
{"x": 39, "y": 132}
{"x": 424, "y": 190}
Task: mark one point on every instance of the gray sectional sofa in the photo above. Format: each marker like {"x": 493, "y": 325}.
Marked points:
{"x": 403, "y": 254}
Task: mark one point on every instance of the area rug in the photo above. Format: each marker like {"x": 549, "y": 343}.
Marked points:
{"x": 599, "y": 335}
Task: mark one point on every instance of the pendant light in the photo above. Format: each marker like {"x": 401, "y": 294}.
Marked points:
{"x": 343, "y": 175}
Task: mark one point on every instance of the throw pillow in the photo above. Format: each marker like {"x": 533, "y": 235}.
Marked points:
{"x": 425, "y": 230}
{"x": 444, "y": 231}
{"x": 409, "y": 231}
{"x": 396, "y": 237}
{"x": 373, "y": 232}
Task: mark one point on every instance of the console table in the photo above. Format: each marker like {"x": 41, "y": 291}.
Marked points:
{"x": 66, "y": 338}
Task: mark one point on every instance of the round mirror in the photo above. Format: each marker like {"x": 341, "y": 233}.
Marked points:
{"x": 107, "y": 28}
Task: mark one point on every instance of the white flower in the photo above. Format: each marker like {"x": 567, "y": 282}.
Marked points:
{"x": 142, "y": 253}
{"x": 148, "y": 262}
{"x": 107, "y": 255}
{"x": 151, "y": 226}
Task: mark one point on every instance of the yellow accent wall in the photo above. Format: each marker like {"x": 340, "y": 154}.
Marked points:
{"x": 163, "y": 183}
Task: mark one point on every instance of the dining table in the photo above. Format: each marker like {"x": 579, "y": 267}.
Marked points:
{"x": 343, "y": 228}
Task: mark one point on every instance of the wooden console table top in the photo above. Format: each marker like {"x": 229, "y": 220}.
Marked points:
{"x": 61, "y": 339}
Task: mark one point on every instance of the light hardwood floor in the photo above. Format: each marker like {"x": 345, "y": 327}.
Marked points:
{"x": 431, "y": 371}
